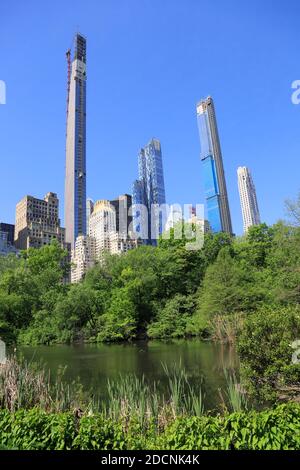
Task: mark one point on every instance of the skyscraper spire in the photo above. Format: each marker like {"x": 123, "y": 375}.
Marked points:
{"x": 218, "y": 212}
{"x": 75, "y": 179}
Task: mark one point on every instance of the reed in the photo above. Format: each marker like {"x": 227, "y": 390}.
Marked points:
{"x": 27, "y": 385}
{"x": 236, "y": 398}
{"x": 225, "y": 328}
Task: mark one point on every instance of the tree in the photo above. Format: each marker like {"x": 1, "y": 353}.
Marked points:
{"x": 293, "y": 210}
{"x": 119, "y": 323}
{"x": 172, "y": 321}
{"x": 225, "y": 288}
{"x": 260, "y": 239}
{"x": 283, "y": 262}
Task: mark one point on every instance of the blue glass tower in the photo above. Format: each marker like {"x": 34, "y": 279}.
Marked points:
{"x": 215, "y": 190}
{"x": 75, "y": 181}
{"x": 149, "y": 191}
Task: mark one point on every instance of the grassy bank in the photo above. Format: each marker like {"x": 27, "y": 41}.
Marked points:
{"x": 36, "y": 429}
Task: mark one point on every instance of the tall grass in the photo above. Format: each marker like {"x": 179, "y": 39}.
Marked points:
{"x": 236, "y": 398}
{"x": 131, "y": 396}
{"x": 27, "y": 385}
{"x": 184, "y": 399}
{"x": 225, "y": 328}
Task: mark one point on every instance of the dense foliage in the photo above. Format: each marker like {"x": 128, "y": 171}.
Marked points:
{"x": 247, "y": 286}
{"x": 276, "y": 429}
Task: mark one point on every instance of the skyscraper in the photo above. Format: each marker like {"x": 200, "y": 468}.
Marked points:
{"x": 102, "y": 224}
{"x": 123, "y": 207}
{"x": 149, "y": 191}
{"x": 215, "y": 190}
{"x": 10, "y": 230}
{"x": 38, "y": 223}
{"x": 248, "y": 198}
{"x": 75, "y": 181}
{"x": 102, "y": 238}
{"x": 89, "y": 211}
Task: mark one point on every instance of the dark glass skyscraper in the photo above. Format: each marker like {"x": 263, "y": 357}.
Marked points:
{"x": 75, "y": 181}
{"x": 9, "y": 229}
{"x": 215, "y": 190}
{"x": 149, "y": 191}
{"x": 123, "y": 208}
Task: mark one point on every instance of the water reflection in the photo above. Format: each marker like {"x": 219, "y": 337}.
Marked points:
{"x": 95, "y": 363}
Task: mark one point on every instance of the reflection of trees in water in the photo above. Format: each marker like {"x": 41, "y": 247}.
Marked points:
{"x": 204, "y": 362}
{"x": 228, "y": 358}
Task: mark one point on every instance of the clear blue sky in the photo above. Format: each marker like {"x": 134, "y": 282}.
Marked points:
{"x": 149, "y": 62}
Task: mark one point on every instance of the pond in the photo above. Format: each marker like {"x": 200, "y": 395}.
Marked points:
{"x": 93, "y": 364}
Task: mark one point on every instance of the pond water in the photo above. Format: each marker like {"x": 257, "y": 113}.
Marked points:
{"x": 93, "y": 364}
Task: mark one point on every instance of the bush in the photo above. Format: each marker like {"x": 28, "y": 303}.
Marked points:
{"x": 265, "y": 348}
{"x": 37, "y": 430}
{"x": 98, "y": 433}
{"x": 275, "y": 429}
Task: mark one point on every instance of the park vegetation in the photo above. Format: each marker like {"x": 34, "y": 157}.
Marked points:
{"x": 243, "y": 290}
{"x": 37, "y": 414}
{"x": 35, "y": 429}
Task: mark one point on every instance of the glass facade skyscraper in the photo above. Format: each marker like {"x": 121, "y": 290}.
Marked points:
{"x": 75, "y": 181}
{"x": 215, "y": 190}
{"x": 149, "y": 191}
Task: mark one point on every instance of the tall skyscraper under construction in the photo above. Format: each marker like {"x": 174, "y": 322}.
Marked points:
{"x": 75, "y": 179}
{"x": 215, "y": 190}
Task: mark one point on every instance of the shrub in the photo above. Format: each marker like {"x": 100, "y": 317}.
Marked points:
{"x": 99, "y": 433}
{"x": 265, "y": 348}
{"x": 37, "y": 430}
{"x": 275, "y": 429}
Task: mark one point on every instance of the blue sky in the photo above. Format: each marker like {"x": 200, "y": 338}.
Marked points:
{"x": 149, "y": 62}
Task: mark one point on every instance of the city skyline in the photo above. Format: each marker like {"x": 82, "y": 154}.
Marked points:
{"x": 166, "y": 108}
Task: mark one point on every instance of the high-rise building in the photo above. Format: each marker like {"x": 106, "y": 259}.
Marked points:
{"x": 196, "y": 220}
{"x": 123, "y": 208}
{"x": 6, "y": 247}
{"x": 9, "y": 229}
{"x": 248, "y": 198}
{"x": 149, "y": 191}
{"x": 38, "y": 223}
{"x": 215, "y": 190}
{"x": 83, "y": 256}
{"x": 75, "y": 180}
{"x": 102, "y": 238}
{"x": 89, "y": 211}
{"x": 102, "y": 224}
